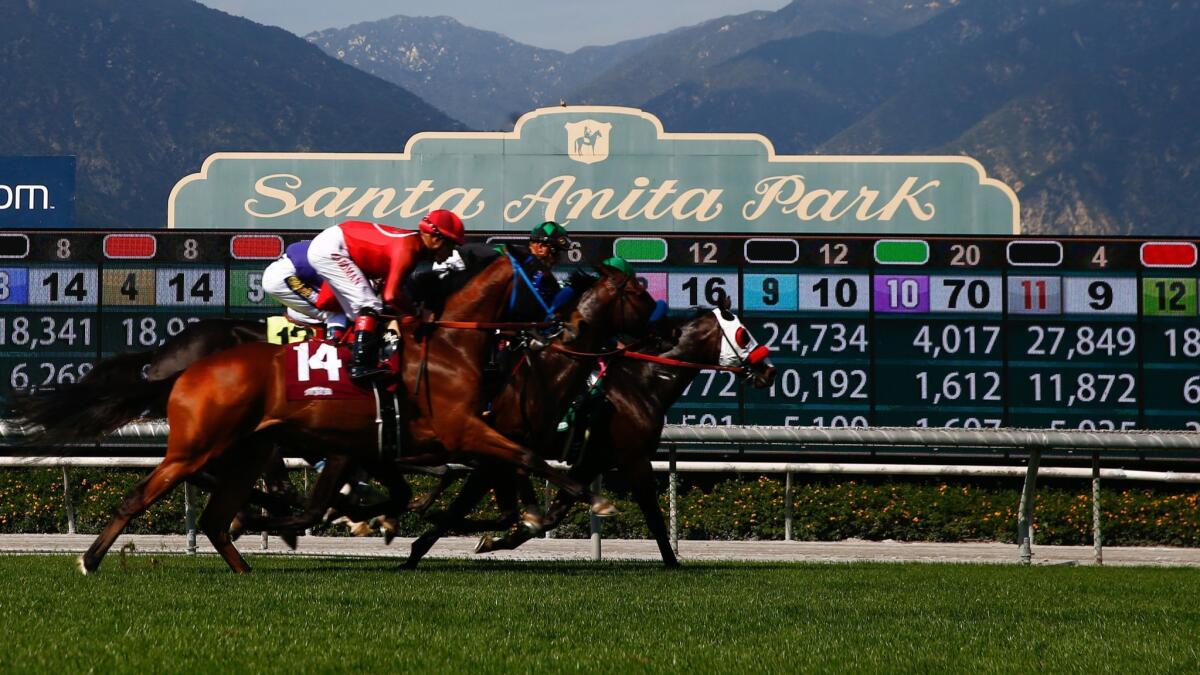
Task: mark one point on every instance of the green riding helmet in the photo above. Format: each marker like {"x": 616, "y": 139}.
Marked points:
{"x": 551, "y": 234}
{"x": 620, "y": 264}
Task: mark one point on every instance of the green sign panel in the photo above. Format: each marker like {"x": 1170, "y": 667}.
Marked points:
{"x": 601, "y": 169}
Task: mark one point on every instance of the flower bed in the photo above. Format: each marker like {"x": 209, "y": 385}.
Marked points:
{"x": 745, "y": 507}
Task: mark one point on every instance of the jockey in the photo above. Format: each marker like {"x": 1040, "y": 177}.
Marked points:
{"x": 295, "y": 284}
{"x": 547, "y": 241}
{"x": 580, "y": 407}
{"x": 349, "y": 255}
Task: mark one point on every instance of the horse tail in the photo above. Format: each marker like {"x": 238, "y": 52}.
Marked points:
{"x": 113, "y": 393}
{"x": 123, "y": 388}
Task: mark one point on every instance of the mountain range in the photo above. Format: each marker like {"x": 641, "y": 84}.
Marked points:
{"x": 1085, "y": 107}
{"x": 1076, "y": 104}
{"x": 143, "y": 91}
{"x": 480, "y": 77}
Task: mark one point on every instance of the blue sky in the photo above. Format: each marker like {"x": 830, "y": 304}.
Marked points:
{"x": 557, "y": 24}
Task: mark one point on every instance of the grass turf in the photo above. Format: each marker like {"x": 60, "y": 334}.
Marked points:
{"x": 188, "y": 613}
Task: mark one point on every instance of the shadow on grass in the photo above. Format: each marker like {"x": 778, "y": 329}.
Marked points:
{"x": 540, "y": 567}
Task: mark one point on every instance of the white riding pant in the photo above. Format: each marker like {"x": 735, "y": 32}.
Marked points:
{"x": 299, "y": 308}
{"x": 328, "y": 255}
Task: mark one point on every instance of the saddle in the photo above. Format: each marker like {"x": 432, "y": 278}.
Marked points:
{"x": 318, "y": 370}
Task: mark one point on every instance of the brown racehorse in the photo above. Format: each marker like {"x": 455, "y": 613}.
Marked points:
{"x": 626, "y": 436}
{"x": 628, "y": 316}
{"x": 226, "y": 411}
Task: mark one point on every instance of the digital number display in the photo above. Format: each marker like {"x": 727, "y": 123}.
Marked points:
{"x": 1068, "y": 333}
{"x": 72, "y": 298}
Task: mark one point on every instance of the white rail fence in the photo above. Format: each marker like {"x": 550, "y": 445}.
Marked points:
{"x": 1034, "y": 442}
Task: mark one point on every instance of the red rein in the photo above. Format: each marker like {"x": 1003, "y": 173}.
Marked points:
{"x": 646, "y": 357}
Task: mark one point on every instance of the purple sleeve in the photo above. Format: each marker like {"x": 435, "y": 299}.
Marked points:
{"x": 298, "y": 254}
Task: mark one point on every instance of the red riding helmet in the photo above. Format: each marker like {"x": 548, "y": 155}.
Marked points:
{"x": 445, "y": 224}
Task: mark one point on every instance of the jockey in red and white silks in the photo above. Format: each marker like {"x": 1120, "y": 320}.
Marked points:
{"x": 352, "y": 254}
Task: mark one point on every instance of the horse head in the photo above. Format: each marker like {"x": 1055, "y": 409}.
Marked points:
{"x": 718, "y": 337}
{"x": 612, "y": 303}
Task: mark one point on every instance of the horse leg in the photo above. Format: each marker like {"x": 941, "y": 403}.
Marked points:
{"x": 506, "y": 500}
{"x": 481, "y": 439}
{"x": 422, "y": 504}
{"x": 263, "y": 500}
{"x": 320, "y": 497}
{"x": 165, "y": 476}
{"x": 237, "y": 478}
{"x": 388, "y": 510}
{"x": 472, "y": 491}
{"x": 280, "y": 489}
{"x": 641, "y": 477}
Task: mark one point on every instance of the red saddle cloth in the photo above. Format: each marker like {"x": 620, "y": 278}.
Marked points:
{"x": 318, "y": 370}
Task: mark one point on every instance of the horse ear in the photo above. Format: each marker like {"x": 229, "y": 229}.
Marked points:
{"x": 723, "y": 301}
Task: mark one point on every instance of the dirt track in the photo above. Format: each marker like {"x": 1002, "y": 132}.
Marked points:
{"x": 614, "y": 549}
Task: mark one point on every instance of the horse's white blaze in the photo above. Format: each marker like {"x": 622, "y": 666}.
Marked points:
{"x": 733, "y": 353}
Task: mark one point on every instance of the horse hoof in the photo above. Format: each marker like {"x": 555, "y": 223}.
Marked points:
{"x": 532, "y": 522}
{"x": 485, "y": 544}
{"x": 604, "y": 508}
{"x": 289, "y": 538}
{"x": 83, "y": 569}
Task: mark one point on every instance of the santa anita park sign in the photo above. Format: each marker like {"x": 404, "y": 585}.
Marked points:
{"x": 598, "y": 169}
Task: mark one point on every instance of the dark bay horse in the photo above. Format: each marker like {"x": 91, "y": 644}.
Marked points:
{"x": 604, "y": 306}
{"x": 625, "y": 436}
{"x": 226, "y": 410}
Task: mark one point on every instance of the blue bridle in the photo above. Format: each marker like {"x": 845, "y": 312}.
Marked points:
{"x": 523, "y": 276}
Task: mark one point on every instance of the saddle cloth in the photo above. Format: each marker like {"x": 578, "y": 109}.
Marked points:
{"x": 317, "y": 370}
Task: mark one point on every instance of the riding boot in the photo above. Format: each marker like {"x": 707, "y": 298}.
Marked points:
{"x": 364, "y": 359}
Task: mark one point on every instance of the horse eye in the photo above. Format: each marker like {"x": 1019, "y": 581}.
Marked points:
{"x": 742, "y": 336}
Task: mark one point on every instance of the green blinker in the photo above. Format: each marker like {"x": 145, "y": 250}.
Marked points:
{"x": 619, "y": 264}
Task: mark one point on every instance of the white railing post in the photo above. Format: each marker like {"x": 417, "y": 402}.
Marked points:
{"x": 787, "y": 507}
{"x": 1099, "y": 549}
{"x": 595, "y": 523}
{"x": 548, "y": 534}
{"x": 1025, "y": 510}
{"x": 673, "y": 492}
{"x": 68, "y": 500}
{"x": 189, "y": 515}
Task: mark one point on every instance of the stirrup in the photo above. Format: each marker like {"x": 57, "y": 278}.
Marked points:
{"x": 367, "y": 373}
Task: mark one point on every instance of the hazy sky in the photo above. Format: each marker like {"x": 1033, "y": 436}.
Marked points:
{"x": 558, "y": 24}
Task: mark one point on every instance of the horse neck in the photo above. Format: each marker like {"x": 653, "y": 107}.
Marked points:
{"x": 563, "y": 375}
{"x": 665, "y": 384}
{"x": 484, "y": 297}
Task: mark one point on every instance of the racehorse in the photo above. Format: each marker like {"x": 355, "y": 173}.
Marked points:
{"x": 569, "y": 381}
{"x": 227, "y": 409}
{"x": 639, "y": 392}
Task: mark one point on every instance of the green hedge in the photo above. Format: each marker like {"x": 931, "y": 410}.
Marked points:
{"x": 746, "y": 507}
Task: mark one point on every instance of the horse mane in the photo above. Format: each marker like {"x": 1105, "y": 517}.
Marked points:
{"x": 581, "y": 281}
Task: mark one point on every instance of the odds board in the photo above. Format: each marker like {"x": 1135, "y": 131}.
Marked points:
{"x": 941, "y": 332}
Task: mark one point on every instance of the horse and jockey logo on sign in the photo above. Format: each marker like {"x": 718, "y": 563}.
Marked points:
{"x": 587, "y": 140}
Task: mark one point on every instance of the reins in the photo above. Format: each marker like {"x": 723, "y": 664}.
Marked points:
{"x": 683, "y": 364}
{"x": 409, "y": 320}
{"x": 639, "y": 356}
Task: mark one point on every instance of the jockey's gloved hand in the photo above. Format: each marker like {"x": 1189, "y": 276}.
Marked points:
{"x": 453, "y": 263}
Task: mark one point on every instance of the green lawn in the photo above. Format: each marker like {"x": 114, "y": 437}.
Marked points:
{"x": 187, "y": 613}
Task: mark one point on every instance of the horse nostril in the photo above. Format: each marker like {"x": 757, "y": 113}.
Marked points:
{"x": 766, "y": 377}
